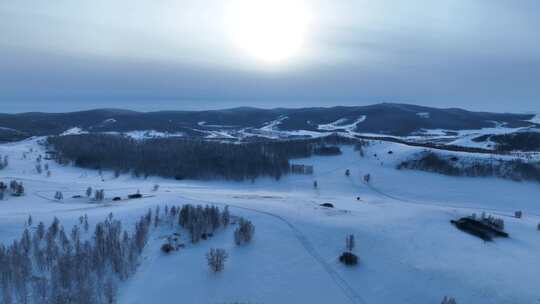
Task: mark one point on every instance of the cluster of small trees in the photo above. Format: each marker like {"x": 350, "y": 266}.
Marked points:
{"x": 201, "y": 222}
{"x": 244, "y": 232}
{"x": 4, "y": 162}
{"x": 15, "y": 189}
{"x": 52, "y": 266}
{"x": 495, "y": 222}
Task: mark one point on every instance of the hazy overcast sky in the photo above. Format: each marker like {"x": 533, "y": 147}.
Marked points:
{"x": 63, "y": 55}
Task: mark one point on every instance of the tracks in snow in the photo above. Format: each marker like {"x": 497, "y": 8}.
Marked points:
{"x": 345, "y": 287}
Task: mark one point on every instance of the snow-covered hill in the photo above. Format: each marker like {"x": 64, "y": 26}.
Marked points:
{"x": 388, "y": 119}
{"x": 408, "y": 250}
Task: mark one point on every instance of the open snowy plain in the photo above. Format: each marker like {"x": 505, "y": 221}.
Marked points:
{"x": 409, "y": 252}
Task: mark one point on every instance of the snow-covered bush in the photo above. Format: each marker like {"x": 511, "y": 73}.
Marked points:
{"x": 244, "y": 233}
{"x": 216, "y": 258}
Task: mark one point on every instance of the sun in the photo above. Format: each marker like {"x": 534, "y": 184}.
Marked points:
{"x": 271, "y": 31}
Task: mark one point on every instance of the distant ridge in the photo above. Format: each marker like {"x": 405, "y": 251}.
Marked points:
{"x": 384, "y": 118}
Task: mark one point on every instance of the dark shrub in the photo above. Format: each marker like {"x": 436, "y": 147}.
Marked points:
{"x": 348, "y": 258}
{"x": 117, "y": 198}
{"x": 327, "y": 205}
{"x": 136, "y": 195}
{"x": 167, "y": 248}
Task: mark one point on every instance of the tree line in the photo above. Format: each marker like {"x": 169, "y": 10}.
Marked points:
{"x": 514, "y": 169}
{"x": 186, "y": 158}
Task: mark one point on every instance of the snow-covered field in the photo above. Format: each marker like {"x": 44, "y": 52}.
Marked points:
{"x": 408, "y": 250}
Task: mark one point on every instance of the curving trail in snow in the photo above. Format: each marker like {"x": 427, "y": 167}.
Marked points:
{"x": 348, "y": 291}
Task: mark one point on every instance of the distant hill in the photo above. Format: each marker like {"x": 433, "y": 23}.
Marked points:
{"x": 244, "y": 123}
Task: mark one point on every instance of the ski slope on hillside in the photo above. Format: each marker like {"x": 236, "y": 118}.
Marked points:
{"x": 409, "y": 252}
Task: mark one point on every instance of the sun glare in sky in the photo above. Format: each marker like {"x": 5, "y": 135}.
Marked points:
{"x": 271, "y": 31}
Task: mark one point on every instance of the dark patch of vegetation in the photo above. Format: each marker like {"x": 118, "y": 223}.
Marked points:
{"x": 516, "y": 169}
{"x": 521, "y": 141}
{"x": 327, "y": 205}
{"x": 485, "y": 228}
{"x": 182, "y": 158}
{"x": 167, "y": 248}
{"x": 348, "y": 258}
{"x": 134, "y": 196}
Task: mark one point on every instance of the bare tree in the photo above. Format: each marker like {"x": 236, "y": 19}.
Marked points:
{"x": 225, "y": 217}
{"x": 99, "y": 195}
{"x": 349, "y": 242}
{"x": 58, "y": 196}
{"x": 216, "y": 258}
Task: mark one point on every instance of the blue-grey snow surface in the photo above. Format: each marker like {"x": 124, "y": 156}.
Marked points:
{"x": 409, "y": 252}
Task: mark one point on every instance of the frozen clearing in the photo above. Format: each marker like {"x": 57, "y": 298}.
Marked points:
{"x": 409, "y": 252}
